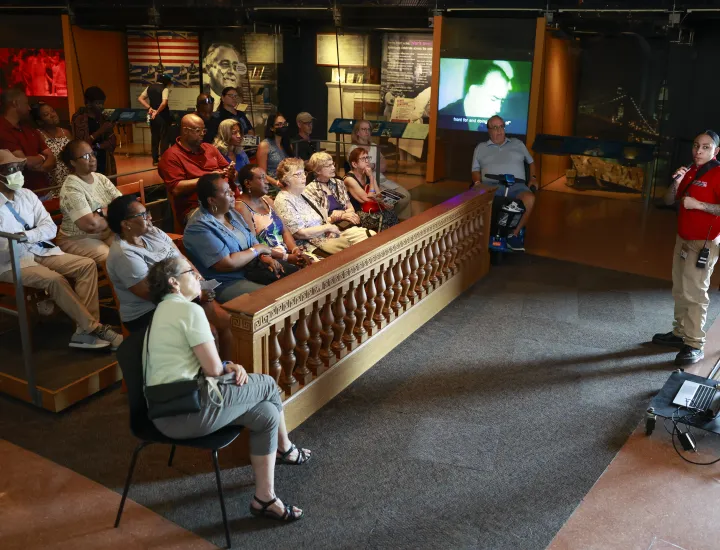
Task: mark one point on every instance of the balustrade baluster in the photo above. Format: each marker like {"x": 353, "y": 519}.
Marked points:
{"x": 327, "y": 319}
{"x": 388, "y": 312}
{"x": 287, "y": 359}
{"x": 397, "y": 287}
{"x": 314, "y": 363}
{"x": 406, "y": 271}
{"x": 360, "y": 298}
{"x": 348, "y": 336}
{"x": 442, "y": 258}
{"x": 427, "y": 250}
{"x": 369, "y": 306}
{"x": 435, "y": 262}
{"x": 447, "y": 269}
{"x": 302, "y": 350}
{"x": 274, "y": 351}
{"x": 338, "y": 347}
{"x": 419, "y": 289}
{"x": 379, "y": 299}
{"x": 413, "y": 278}
{"x": 454, "y": 250}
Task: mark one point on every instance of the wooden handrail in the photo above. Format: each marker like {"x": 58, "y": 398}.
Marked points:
{"x": 303, "y": 324}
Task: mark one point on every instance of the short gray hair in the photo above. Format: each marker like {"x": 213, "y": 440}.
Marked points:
{"x": 159, "y": 278}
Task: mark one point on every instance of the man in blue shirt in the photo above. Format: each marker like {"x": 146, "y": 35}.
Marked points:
{"x": 503, "y": 155}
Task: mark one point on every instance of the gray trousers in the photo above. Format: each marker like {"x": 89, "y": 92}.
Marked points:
{"x": 256, "y": 405}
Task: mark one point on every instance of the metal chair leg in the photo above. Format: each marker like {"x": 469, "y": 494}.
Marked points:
{"x": 222, "y": 497}
{"x": 172, "y": 455}
{"x": 139, "y": 448}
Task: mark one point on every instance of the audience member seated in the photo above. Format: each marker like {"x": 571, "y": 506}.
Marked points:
{"x": 188, "y": 159}
{"x": 229, "y": 142}
{"x": 224, "y": 248}
{"x": 138, "y": 246}
{"x": 257, "y": 210}
{"x": 23, "y": 141}
{"x": 361, "y": 137}
{"x": 228, "y": 110}
{"x": 180, "y": 347}
{"x": 330, "y": 193}
{"x": 365, "y": 193}
{"x": 309, "y": 222}
{"x": 302, "y": 144}
{"x": 84, "y": 198}
{"x": 204, "y": 109}
{"x": 91, "y": 125}
{"x": 273, "y": 149}
{"x": 43, "y": 265}
{"x": 56, "y": 138}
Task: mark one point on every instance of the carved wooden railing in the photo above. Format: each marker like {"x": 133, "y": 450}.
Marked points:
{"x": 300, "y": 327}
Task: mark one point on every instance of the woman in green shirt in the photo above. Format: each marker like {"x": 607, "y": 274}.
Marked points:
{"x": 180, "y": 346}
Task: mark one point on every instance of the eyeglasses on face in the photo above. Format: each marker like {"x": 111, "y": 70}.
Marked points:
{"x": 232, "y": 96}
{"x": 280, "y": 125}
{"x": 87, "y": 156}
{"x": 189, "y": 271}
{"x": 144, "y": 215}
{"x": 200, "y": 131}
{"x": 364, "y": 159}
{"x": 329, "y": 164}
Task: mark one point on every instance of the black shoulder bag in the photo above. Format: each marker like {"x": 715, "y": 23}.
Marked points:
{"x": 169, "y": 399}
{"x": 704, "y": 169}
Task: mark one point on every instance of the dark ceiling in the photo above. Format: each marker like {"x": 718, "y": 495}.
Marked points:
{"x": 649, "y": 17}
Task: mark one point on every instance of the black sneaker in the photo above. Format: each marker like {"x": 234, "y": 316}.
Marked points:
{"x": 668, "y": 339}
{"x": 688, "y": 355}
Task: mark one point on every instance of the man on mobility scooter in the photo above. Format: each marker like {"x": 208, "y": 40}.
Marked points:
{"x": 501, "y": 161}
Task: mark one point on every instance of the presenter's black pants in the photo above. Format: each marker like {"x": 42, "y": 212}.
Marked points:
{"x": 158, "y": 131}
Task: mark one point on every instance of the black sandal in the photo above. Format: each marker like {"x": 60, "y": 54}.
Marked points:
{"x": 288, "y": 515}
{"x": 302, "y": 456}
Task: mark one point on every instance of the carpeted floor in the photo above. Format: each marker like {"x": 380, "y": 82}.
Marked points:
{"x": 484, "y": 429}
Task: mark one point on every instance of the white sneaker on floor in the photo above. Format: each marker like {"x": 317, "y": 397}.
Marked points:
{"x": 106, "y": 332}
{"x": 84, "y": 340}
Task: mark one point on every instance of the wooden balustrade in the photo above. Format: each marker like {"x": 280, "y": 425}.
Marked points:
{"x": 317, "y": 330}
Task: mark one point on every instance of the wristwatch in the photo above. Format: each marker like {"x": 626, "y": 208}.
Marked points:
{"x": 99, "y": 212}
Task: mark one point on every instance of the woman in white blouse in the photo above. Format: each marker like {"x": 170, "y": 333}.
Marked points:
{"x": 84, "y": 198}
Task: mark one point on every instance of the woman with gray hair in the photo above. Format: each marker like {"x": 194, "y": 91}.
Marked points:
{"x": 179, "y": 347}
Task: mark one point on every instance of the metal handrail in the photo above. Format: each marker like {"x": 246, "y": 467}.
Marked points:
{"x": 13, "y": 240}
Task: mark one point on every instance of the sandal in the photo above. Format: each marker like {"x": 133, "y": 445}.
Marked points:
{"x": 301, "y": 458}
{"x": 288, "y": 515}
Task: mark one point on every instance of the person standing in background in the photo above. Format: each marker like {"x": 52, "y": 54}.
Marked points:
{"x": 155, "y": 99}
{"x": 90, "y": 124}
{"x": 55, "y": 137}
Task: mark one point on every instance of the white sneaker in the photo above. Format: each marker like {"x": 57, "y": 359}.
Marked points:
{"x": 84, "y": 340}
{"x": 106, "y": 332}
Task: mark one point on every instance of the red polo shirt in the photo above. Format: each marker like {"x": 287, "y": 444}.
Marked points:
{"x": 179, "y": 163}
{"x": 30, "y": 142}
{"x": 693, "y": 225}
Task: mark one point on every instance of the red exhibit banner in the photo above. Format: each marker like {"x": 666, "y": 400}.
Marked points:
{"x": 39, "y": 72}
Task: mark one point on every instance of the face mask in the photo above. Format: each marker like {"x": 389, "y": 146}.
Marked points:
{"x": 281, "y": 131}
{"x": 15, "y": 181}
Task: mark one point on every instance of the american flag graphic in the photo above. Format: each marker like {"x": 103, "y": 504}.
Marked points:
{"x": 175, "y": 53}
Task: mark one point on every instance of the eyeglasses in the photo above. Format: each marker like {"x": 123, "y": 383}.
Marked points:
{"x": 328, "y": 165}
{"x": 281, "y": 125}
{"x": 189, "y": 271}
{"x": 232, "y": 96}
{"x": 201, "y": 131}
{"x": 87, "y": 156}
{"x": 299, "y": 174}
{"x": 365, "y": 158}
{"x": 496, "y": 127}
{"x": 144, "y": 215}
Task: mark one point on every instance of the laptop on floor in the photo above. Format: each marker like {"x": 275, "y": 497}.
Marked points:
{"x": 701, "y": 398}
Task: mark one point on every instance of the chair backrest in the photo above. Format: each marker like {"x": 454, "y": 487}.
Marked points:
{"x": 134, "y": 188}
{"x": 129, "y": 356}
{"x": 53, "y": 208}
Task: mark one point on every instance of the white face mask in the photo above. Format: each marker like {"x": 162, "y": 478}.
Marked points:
{"x": 15, "y": 181}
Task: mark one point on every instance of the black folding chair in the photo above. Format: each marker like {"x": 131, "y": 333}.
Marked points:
{"x": 129, "y": 356}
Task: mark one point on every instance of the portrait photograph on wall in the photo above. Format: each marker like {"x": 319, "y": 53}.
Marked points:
{"x": 176, "y": 54}
{"x": 38, "y": 72}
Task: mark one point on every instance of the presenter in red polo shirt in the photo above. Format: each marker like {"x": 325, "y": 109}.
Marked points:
{"x": 697, "y": 187}
{"x": 189, "y": 158}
